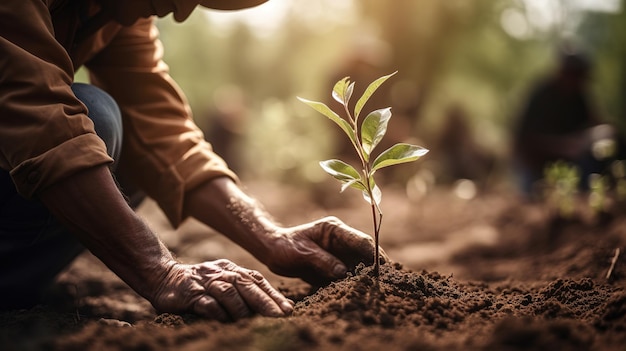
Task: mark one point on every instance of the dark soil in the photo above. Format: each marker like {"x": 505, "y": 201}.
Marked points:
{"x": 492, "y": 273}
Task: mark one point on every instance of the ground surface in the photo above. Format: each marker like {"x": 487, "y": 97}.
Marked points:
{"x": 491, "y": 273}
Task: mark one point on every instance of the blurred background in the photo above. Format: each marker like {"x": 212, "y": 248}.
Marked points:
{"x": 465, "y": 69}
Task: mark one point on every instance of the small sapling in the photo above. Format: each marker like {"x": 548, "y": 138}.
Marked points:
{"x": 364, "y": 137}
{"x": 561, "y": 182}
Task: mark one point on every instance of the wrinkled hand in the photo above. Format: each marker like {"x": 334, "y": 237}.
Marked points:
{"x": 219, "y": 290}
{"x": 320, "y": 251}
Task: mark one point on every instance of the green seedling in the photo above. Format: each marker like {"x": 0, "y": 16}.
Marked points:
{"x": 562, "y": 181}
{"x": 618, "y": 172}
{"x": 364, "y": 137}
{"x": 598, "y": 193}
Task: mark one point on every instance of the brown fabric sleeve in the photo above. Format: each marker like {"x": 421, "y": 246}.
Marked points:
{"x": 164, "y": 152}
{"x": 45, "y": 134}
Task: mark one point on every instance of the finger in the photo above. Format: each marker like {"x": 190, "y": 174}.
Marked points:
{"x": 348, "y": 244}
{"x": 262, "y": 298}
{"x": 226, "y": 264}
{"x": 208, "y": 307}
{"x": 228, "y": 297}
{"x": 243, "y": 276}
{"x": 383, "y": 256}
{"x": 323, "y": 266}
{"x": 285, "y": 304}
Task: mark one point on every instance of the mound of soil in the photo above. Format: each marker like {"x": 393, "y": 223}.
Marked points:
{"x": 510, "y": 276}
{"x": 564, "y": 313}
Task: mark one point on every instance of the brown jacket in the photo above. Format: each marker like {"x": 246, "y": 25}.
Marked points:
{"x": 45, "y": 134}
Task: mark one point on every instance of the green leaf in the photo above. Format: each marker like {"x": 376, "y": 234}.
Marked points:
{"x": 342, "y": 91}
{"x": 340, "y": 170}
{"x": 368, "y": 94}
{"x": 354, "y": 183}
{"x": 326, "y": 111}
{"x": 373, "y": 129}
{"x": 378, "y": 195}
{"x": 399, "y": 153}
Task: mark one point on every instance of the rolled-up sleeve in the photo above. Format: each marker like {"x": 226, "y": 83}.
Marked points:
{"x": 45, "y": 134}
{"x": 164, "y": 152}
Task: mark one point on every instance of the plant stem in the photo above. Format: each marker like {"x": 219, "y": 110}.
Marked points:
{"x": 377, "y": 225}
{"x": 376, "y": 253}
{"x": 357, "y": 145}
{"x": 367, "y": 172}
{"x": 352, "y": 120}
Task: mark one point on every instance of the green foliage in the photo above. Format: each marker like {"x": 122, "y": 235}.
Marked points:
{"x": 607, "y": 189}
{"x": 344, "y": 173}
{"x": 598, "y": 193}
{"x": 368, "y": 94}
{"x": 449, "y": 52}
{"x": 618, "y": 172}
{"x": 562, "y": 181}
{"x": 372, "y": 131}
{"x": 326, "y": 111}
{"x": 397, "y": 154}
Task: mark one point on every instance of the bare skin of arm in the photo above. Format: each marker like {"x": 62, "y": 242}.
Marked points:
{"x": 90, "y": 204}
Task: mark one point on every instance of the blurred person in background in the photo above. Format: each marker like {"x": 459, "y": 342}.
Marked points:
{"x": 559, "y": 123}
{"x": 69, "y": 153}
{"x": 457, "y": 151}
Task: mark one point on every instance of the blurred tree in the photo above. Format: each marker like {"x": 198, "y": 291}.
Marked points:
{"x": 604, "y": 34}
{"x": 457, "y": 53}
{"x": 480, "y": 55}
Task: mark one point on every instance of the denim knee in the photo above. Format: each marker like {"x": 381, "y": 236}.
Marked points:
{"x": 105, "y": 114}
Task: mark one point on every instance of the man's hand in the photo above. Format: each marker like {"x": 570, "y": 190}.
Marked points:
{"x": 317, "y": 252}
{"x": 219, "y": 290}
{"x": 320, "y": 251}
{"x": 90, "y": 204}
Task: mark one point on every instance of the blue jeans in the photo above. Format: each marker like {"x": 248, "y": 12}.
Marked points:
{"x": 34, "y": 247}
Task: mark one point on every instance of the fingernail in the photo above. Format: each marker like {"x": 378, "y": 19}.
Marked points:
{"x": 287, "y": 307}
{"x": 340, "y": 271}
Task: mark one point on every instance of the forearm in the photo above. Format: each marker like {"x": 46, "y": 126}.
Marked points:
{"x": 223, "y": 206}
{"x": 92, "y": 207}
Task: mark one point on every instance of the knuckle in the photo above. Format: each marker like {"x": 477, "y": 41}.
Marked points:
{"x": 224, "y": 289}
{"x": 209, "y": 307}
{"x": 332, "y": 220}
{"x": 225, "y": 263}
{"x": 256, "y": 275}
{"x": 204, "y": 269}
{"x": 208, "y": 303}
{"x": 229, "y": 276}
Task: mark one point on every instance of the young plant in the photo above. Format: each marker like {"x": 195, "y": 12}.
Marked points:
{"x": 618, "y": 174}
{"x": 561, "y": 180}
{"x": 598, "y": 193}
{"x": 364, "y": 137}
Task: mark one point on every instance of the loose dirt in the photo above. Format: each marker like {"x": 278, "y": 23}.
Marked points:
{"x": 491, "y": 273}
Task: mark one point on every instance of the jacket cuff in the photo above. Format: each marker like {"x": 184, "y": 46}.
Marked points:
{"x": 80, "y": 153}
{"x": 199, "y": 166}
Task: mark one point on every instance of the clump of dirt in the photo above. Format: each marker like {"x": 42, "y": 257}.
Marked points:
{"x": 480, "y": 316}
{"x": 537, "y": 286}
{"x": 400, "y": 297}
